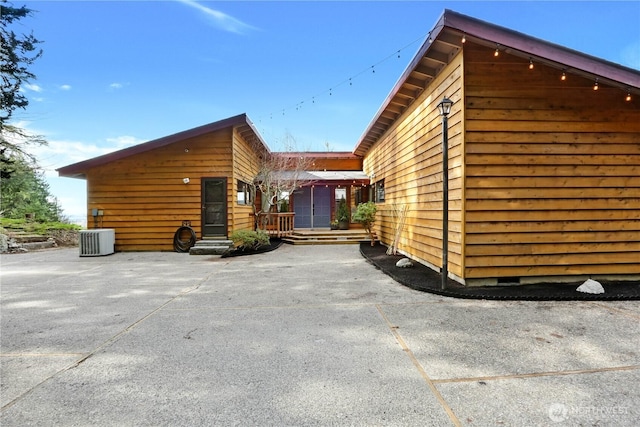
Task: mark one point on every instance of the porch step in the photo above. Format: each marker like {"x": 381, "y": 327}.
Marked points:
{"x": 210, "y": 247}
{"x": 326, "y": 237}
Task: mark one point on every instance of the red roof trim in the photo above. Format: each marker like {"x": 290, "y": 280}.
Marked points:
{"x": 535, "y": 47}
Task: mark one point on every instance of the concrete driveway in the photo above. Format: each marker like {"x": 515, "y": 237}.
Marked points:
{"x": 302, "y": 336}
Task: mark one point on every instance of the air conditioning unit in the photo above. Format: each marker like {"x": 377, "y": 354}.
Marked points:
{"x": 97, "y": 242}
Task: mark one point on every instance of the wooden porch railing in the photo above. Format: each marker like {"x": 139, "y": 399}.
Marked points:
{"x": 276, "y": 224}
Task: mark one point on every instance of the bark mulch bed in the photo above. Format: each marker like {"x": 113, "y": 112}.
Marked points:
{"x": 273, "y": 245}
{"x": 422, "y": 278}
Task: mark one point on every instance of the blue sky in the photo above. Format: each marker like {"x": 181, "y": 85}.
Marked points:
{"x": 118, "y": 73}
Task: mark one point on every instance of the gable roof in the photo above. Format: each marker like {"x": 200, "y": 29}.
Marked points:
{"x": 241, "y": 121}
{"x": 446, "y": 39}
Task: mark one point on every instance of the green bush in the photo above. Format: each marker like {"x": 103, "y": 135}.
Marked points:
{"x": 248, "y": 239}
{"x": 366, "y": 215}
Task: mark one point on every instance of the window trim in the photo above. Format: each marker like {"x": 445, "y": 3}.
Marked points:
{"x": 243, "y": 188}
{"x": 379, "y": 191}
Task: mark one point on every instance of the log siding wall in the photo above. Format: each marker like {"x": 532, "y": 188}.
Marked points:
{"x": 552, "y": 172}
{"x": 245, "y": 168}
{"x": 409, "y": 158}
{"x": 144, "y": 198}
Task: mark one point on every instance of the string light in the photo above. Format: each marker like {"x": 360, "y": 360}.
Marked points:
{"x": 397, "y": 53}
{"x": 372, "y": 68}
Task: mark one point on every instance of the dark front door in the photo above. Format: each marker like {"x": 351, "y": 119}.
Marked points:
{"x": 214, "y": 207}
{"x": 312, "y": 206}
{"x": 321, "y": 206}
{"x": 302, "y": 207}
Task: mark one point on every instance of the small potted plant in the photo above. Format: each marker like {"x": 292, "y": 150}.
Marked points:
{"x": 343, "y": 215}
{"x": 334, "y": 224}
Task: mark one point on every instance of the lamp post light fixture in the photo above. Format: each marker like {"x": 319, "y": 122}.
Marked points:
{"x": 444, "y": 107}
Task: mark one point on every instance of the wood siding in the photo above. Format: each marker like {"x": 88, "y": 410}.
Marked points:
{"x": 245, "y": 168}
{"x": 552, "y": 172}
{"x": 320, "y": 161}
{"x": 409, "y": 158}
{"x": 336, "y": 164}
{"x": 144, "y": 197}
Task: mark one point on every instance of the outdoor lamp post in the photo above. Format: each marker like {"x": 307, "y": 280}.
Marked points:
{"x": 444, "y": 107}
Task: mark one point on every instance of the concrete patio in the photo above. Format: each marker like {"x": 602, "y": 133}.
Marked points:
{"x": 301, "y": 336}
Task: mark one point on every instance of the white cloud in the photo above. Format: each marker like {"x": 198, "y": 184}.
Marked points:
{"x": 65, "y": 87}
{"x": 32, "y": 87}
{"x": 124, "y": 142}
{"x": 62, "y": 152}
{"x": 220, "y": 19}
{"x": 68, "y": 152}
{"x": 116, "y": 85}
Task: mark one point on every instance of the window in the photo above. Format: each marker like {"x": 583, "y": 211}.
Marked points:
{"x": 244, "y": 193}
{"x": 379, "y": 191}
{"x": 283, "y": 202}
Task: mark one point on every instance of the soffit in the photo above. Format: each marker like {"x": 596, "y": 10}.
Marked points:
{"x": 309, "y": 177}
{"x": 446, "y": 40}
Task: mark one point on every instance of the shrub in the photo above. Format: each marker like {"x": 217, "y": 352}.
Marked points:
{"x": 247, "y": 239}
{"x": 366, "y": 215}
{"x": 36, "y": 227}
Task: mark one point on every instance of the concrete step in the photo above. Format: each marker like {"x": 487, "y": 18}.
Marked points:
{"x": 210, "y": 247}
{"x": 25, "y": 237}
{"x": 35, "y": 246}
{"x": 326, "y": 237}
{"x": 321, "y": 242}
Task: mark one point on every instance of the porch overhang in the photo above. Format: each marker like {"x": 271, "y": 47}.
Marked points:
{"x": 339, "y": 178}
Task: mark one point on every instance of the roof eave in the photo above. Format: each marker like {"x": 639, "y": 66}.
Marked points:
{"x": 541, "y": 49}
{"x": 363, "y": 143}
{"x": 515, "y": 43}
{"x": 78, "y": 170}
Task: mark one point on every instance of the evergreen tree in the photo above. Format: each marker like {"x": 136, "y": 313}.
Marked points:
{"x": 17, "y": 53}
{"x": 23, "y": 187}
{"x": 27, "y": 192}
